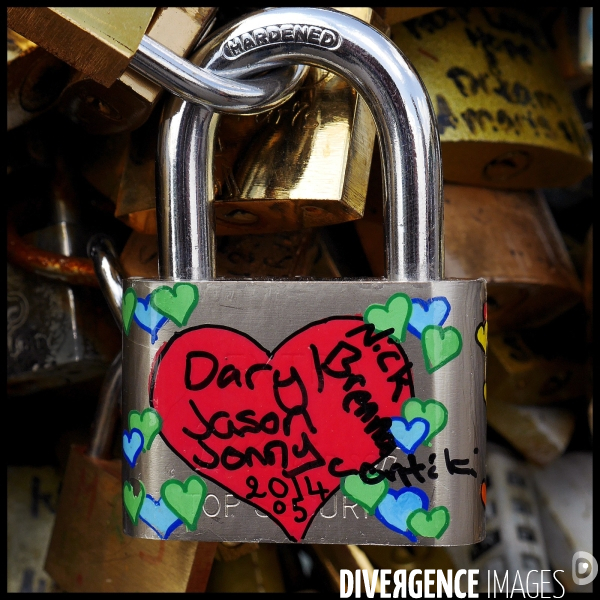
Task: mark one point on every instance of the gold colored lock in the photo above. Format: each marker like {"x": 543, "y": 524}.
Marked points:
{"x": 506, "y": 118}
{"x": 34, "y": 80}
{"x": 106, "y": 96}
{"x": 303, "y": 164}
{"x": 99, "y": 42}
{"x": 129, "y": 101}
{"x": 88, "y": 551}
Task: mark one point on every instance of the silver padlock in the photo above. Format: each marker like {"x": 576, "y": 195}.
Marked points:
{"x": 341, "y": 411}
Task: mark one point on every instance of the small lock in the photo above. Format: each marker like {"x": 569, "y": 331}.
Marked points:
{"x": 103, "y": 42}
{"x": 341, "y": 411}
{"x": 130, "y": 100}
{"x": 100, "y": 42}
{"x": 106, "y": 95}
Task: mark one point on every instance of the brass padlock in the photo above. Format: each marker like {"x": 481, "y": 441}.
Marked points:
{"x": 99, "y": 42}
{"x": 106, "y": 96}
{"x": 291, "y": 404}
{"x": 302, "y": 164}
{"x": 129, "y": 101}
{"x": 88, "y": 552}
{"x": 506, "y": 118}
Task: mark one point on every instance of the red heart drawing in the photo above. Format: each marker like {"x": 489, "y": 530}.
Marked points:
{"x": 278, "y": 429}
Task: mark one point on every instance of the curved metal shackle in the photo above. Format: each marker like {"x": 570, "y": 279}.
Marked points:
{"x": 109, "y": 272}
{"x": 110, "y": 275}
{"x": 397, "y": 99}
{"x": 201, "y": 86}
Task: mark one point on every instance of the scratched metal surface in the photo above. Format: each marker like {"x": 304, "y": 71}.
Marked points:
{"x": 269, "y": 312}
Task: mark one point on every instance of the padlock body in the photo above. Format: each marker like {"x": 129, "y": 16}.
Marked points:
{"x": 346, "y": 411}
{"x": 57, "y": 334}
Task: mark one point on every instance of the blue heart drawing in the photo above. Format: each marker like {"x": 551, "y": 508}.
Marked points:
{"x": 158, "y": 516}
{"x": 409, "y": 434}
{"x": 132, "y": 445}
{"x": 147, "y": 318}
{"x": 395, "y": 508}
{"x": 434, "y": 311}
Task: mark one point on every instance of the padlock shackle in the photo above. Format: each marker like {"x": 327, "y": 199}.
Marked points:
{"x": 107, "y": 411}
{"x": 396, "y": 96}
{"x": 201, "y": 86}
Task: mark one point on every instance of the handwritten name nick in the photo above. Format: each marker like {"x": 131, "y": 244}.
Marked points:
{"x": 275, "y": 34}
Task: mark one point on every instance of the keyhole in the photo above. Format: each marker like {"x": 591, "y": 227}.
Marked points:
{"x": 507, "y": 165}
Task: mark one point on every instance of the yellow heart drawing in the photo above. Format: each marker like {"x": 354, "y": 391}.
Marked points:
{"x": 481, "y": 335}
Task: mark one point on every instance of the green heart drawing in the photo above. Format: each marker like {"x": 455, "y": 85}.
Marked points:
{"x": 434, "y": 412}
{"x": 366, "y": 495}
{"x": 176, "y": 303}
{"x": 395, "y": 314}
{"x": 128, "y": 308}
{"x": 149, "y": 423}
{"x": 185, "y": 499}
{"x": 429, "y": 524}
{"x": 133, "y": 503}
{"x": 440, "y": 345}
